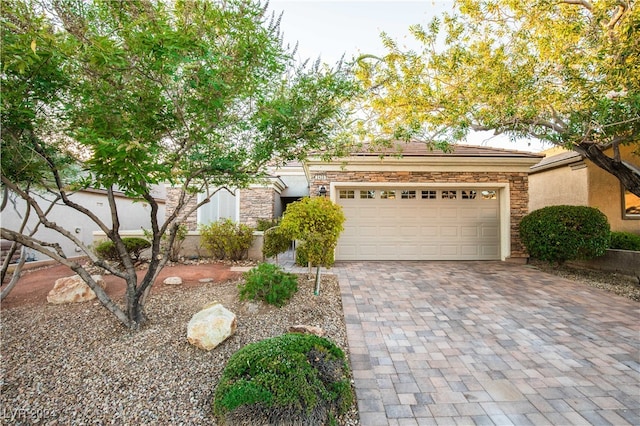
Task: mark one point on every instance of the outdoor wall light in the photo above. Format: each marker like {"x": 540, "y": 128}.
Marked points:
{"x": 322, "y": 191}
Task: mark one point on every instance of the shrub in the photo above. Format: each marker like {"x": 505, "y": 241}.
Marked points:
{"x": 134, "y": 246}
{"x": 560, "y": 233}
{"x": 275, "y": 242}
{"x": 269, "y": 283}
{"x": 289, "y": 379}
{"x": 264, "y": 224}
{"x": 227, "y": 240}
{"x": 181, "y": 235}
{"x": 302, "y": 256}
{"x": 625, "y": 241}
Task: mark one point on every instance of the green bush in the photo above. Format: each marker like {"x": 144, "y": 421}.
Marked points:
{"x": 134, "y": 246}
{"x": 226, "y": 239}
{"x": 264, "y": 224}
{"x": 560, "y": 233}
{"x": 302, "y": 256}
{"x": 269, "y": 283}
{"x": 625, "y": 241}
{"x": 275, "y": 242}
{"x": 289, "y": 379}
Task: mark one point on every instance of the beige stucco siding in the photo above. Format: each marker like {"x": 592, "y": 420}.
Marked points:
{"x": 565, "y": 185}
{"x": 605, "y": 193}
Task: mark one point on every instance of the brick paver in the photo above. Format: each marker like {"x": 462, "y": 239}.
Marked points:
{"x": 488, "y": 343}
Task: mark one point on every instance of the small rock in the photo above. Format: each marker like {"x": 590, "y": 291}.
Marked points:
{"x": 211, "y": 326}
{"x": 172, "y": 281}
{"x": 205, "y": 280}
{"x": 307, "y": 329}
{"x": 73, "y": 289}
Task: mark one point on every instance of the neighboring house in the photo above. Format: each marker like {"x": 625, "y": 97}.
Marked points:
{"x": 133, "y": 215}
{"x": 565, "y": 177}
{"x": 423, "y": 205}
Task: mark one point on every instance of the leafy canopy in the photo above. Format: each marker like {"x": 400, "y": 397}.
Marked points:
{"x": 567, "y": 72}
{"x": 124, "y": 95}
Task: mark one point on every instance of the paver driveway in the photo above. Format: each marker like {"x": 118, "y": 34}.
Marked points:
{"x": 488, "y": 343}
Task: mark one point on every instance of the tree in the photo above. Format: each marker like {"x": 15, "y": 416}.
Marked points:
{"x": 121, "y": 96}
{"x": 317, "y": 222}
{"x": 564, "y": 71}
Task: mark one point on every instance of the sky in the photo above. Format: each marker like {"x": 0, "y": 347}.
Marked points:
{"x": 330, "y": 28}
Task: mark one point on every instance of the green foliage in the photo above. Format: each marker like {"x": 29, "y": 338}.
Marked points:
{"x": 226, "y": 239}
{"x": 275, "y": 242}
{"x": 264, "y": 224}
{"x": 625, "y": 241}
{"x": 269, "y": 283}
{"x": 174, "y": 251}
{"x": 121, "y": 96}
{"x": 564, "y": 72}
{"x": 289, "y": 379}
{"x": 133, "y": 245}
{"x": 560, "y": 233}
{"x": 317, "y": 222}
{"x": 302, "y": 257}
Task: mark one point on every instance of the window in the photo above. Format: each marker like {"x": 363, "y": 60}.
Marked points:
{"x": 488, "y": 195}
{"x": 468, "y": 195}
{"x": 408, "y": 195}
{"x": 368, "y": 194}
{"x": 449, "y": 195}
{"x": 347, "y": 194}
{"x": 630, "y": 205}
{"x": 388, "y": 195}
{"x": 429, "y": 195}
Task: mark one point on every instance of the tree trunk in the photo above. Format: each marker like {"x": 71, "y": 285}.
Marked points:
{"x": 316, "y": 290}
{"x": 629, "y": 178}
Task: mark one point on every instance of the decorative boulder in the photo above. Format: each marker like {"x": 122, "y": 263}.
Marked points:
{"x": 172, "y": 281}
{"x": 307, "y": 329}
{"x": 73, "y": 289}
{"x": 211, "y": 326}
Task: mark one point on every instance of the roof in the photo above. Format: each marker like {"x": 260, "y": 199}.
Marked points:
{"x": 558, "y": 160}
{"x": 421, "y": 149}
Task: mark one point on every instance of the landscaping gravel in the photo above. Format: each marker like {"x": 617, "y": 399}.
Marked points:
{"x": 620, "y": 284}
{"x": 74, "y": 364}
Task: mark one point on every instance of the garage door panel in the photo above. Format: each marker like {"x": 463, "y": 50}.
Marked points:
{"x": 429, "y": 228}
{"x": 469, "y": 231}
{"x": 448, "y": 231}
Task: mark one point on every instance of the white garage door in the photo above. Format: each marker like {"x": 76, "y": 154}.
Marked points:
{"x": 419, "y": 224}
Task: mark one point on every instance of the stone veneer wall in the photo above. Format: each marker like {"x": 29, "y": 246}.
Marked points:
{"x": 173, "y": 195}
{"x": 518, "y": 187}
{"x": 257, "y": 203}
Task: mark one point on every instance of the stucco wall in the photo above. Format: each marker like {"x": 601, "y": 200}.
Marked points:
{"x": 518, "y": 189}
{"x": 605, "y": 193}
{"x": 132, "y": 215}
{"x": 564, "y": 185}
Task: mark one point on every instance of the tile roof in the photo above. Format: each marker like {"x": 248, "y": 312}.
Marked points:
{"x": 557, "y": 160}
{"x": 420, "y": 149}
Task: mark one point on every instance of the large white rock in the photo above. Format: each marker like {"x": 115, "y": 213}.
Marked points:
{"x": 172, "y": 281}
{"x": 211, "y": 326}
{"x": 73, "y": 289}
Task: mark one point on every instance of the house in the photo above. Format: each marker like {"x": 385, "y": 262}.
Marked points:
{"x": 423, "y": 205}
{"x": 133, "y": 215}
{"x": 565, "y": 177}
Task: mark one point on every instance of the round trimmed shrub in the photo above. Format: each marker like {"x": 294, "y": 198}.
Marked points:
{"x": 290, "y": 379}
{"x": 226, "y": 239}
{"x": 560, "y": 233}
{"x": 625, "y": 241}
{"x": 275, "y": 242}
{"x": 269, "y": 283}
{"x": 134, "y": 246}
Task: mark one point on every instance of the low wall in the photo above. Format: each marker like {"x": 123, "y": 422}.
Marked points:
{"x": 621, "y": 261}
{"x": 191, "y": 246}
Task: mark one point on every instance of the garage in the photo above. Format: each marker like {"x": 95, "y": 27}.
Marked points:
{"x": 411, "y": 202}
{"x": 419, "y": 223}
